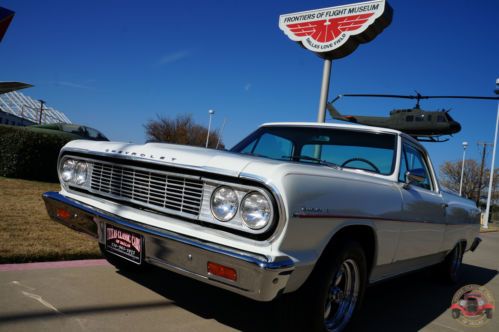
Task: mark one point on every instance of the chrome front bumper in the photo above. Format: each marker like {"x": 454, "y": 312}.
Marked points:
{"x": 258, "y": 277}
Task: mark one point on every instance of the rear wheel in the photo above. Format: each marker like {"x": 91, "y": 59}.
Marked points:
{"x": 456, "y": 313}
{"x": 450, "y": 268}
{"x": 336, "y": 288}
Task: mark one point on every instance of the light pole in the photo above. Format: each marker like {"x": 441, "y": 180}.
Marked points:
{"x": 492, "y": 170}
{"x": 465, "y": 145}
{"x": 42, "y": 102}
{"x": 210, "y": 112}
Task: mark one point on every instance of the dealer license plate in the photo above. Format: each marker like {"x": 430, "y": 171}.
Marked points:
{"x": 123, "y": 243}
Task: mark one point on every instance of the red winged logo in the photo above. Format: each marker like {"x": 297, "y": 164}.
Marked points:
{"x": 335, "y": 32}
{"x": 324, "y": 31}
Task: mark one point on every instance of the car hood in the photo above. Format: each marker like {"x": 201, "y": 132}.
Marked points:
{"x": 210, "y": 160}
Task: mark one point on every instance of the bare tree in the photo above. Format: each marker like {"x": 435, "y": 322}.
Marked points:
{"x": 450, "y": 177}
{"x": 181, "y": 130}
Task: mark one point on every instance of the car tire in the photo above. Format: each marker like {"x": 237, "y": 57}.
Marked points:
{"x": 488, "y": 313}
{"x": 456, "y": 313}
{"x": 334, "y": 292}
{"x": 120, "y": 263}
{"x": 450, "y": 268}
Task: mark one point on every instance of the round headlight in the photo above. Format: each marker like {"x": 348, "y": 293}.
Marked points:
{"x": 256, "y": 210}
{"x": 81, "y": 172}
{"x": 68, "y": 170}
{"x": 224, "y": 203}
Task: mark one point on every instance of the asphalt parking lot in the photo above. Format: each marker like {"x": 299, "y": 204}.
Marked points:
{"x": 94, "y": 296}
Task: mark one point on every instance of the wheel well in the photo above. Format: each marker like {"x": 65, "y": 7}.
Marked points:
{"x": 362, "y": 233}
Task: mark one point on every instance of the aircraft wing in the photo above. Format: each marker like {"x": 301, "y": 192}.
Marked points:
{"x": 5, "y": 19}
{"x": 6, "y": 87}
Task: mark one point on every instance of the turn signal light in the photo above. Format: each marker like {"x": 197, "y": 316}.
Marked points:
{"x": 63, "y": 214}
{"x": 222, "y": 271}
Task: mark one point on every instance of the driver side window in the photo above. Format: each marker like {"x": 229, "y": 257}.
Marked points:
{"x": 414, "y": 159}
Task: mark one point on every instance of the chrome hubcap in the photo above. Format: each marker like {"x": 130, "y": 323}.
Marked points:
{"x": 342, "y": 296}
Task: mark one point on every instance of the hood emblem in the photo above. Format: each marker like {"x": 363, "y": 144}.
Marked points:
{"x": 140, "y": 155}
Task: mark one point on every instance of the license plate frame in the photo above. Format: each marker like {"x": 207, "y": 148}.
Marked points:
{"x": 124, "y": 243}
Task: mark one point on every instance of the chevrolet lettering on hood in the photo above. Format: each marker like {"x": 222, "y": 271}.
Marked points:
{"x": 141, "y": 155}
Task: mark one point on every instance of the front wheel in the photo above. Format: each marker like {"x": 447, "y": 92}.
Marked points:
{"x": 336, "y": 288}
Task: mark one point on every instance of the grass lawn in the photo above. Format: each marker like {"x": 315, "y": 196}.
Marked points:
{"x": 27, "y": 234}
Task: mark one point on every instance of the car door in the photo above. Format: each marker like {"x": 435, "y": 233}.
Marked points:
{"x": 422, "y": 226}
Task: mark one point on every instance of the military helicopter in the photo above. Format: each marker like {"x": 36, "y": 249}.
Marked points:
{"x": 425, "y": 126}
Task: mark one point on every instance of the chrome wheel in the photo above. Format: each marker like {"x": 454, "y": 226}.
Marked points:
{"x": 342, "y": 296}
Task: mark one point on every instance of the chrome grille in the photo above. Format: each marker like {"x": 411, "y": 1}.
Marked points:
{"x": 156, "y": 189}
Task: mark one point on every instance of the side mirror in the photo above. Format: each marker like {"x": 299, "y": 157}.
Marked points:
{"x": 417, "y": 175}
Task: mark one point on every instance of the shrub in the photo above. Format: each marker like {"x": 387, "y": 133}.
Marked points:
{"x": 29, "y": 154}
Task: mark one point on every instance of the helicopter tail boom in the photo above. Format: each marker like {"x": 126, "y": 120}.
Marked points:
{"x": 337, "y": 115}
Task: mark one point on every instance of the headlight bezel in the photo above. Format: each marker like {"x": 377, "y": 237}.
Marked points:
{"x": 237, "y": 223}
{"x": 72, "y": 182}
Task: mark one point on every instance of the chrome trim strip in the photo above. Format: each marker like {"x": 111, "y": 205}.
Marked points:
{"x": 305, "y": 215}
{"x": 266, "y": 263}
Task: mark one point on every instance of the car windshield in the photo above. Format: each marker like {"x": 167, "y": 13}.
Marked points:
{"x": 73, "y": 129}
{"x": 373, "y": 152}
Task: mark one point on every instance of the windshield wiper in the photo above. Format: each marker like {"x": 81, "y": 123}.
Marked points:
{"x": 319, "y": 161}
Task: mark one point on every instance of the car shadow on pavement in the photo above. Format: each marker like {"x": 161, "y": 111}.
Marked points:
{"x": 413, "y": 301}
{"x": 408, "y": 303}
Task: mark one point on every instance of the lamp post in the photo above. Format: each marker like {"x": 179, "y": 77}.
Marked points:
{"x": 42, "y": 102}
{"x": 210, "y": 112}
{"x": 465, "y": 145}
{"x": 492, "y": 170}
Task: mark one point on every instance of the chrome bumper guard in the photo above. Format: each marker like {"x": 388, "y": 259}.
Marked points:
{"x": 258, "y": 277}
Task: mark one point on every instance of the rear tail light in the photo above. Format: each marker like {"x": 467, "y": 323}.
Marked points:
{"x": 222, "y": 271}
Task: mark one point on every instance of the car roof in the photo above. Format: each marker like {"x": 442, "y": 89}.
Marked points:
{"x": 332, "y": 125}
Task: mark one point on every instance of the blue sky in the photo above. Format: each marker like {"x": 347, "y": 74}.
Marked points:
{"x": 114, "y": 65}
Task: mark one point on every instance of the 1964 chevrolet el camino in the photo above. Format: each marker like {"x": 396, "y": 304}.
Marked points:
{"x": 318, "y": 209}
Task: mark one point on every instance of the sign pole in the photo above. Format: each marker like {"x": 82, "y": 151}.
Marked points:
{"x": 326, "y": 76}
{"x": 335, "y": 32}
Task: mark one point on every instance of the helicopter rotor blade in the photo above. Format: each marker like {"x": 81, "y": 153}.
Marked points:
{"x": 418, "y": 96}
{"x": 379, "y": 95}
{"x": 460, "y": 97}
